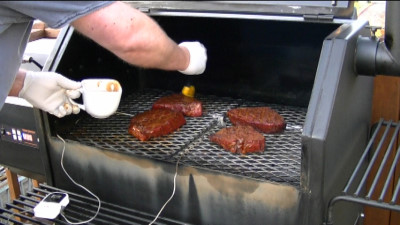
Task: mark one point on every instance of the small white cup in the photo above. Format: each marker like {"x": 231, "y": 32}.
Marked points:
{"x": 100, "y": 97}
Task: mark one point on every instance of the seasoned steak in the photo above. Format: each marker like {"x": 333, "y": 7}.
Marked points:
{"x": 263, "y": 119}
{"x": 181, "y": 103}
{"x": 239, "y": 139}
{"x": 155, "y": 123}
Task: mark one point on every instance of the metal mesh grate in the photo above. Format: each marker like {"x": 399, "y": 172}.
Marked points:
{"x": 80, "y": 208}
{"x": 280, "y": 162}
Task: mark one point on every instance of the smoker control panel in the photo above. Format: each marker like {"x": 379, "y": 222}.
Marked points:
{"x": 19, "y": 135}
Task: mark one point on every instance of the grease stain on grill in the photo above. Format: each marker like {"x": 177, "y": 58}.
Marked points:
{"x": 281, "y": 161}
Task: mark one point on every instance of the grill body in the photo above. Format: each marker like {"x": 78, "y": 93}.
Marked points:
{"x": 209, "y": 181}
{"x": 303, "y": 69}
{"x": 16, "y": 121}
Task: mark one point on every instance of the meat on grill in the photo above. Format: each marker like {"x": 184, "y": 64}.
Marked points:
{"x": 239, "y": 139}
{"x": 263, "y": 119}
{"x": 155, "y": 123}
{"x": 179, "y": 102}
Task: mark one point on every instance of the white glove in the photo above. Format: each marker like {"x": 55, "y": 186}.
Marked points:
{"x": 198, "y": 58}
{"x": 50, "y": 92}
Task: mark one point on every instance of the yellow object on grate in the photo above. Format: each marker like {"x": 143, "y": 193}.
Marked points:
{"x": 188, "y": 91}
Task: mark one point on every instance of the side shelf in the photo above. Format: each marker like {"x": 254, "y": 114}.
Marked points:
{"x": 376, "y": 155}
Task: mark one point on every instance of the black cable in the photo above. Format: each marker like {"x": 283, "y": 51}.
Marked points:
{"x": 31, "y": 60}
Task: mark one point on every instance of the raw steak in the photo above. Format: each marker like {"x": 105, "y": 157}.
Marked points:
{"x": 181, "y": 103}
{"x": 263, "y": 119}
{"x": 239, "y": 139}
{"x": 155, "y": 123}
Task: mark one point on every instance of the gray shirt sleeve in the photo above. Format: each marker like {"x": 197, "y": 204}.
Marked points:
{"x": 16, "y": 21}
{"x": 55, "y": 14}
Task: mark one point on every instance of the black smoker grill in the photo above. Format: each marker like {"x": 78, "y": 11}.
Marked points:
{"x": 297, "y": 59}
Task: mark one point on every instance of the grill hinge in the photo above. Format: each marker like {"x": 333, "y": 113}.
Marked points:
{"x": 318, "y": 17}
{"x": 144, "y": 9}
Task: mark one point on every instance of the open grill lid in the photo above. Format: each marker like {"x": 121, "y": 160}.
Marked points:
{"x": 319, "y": 11}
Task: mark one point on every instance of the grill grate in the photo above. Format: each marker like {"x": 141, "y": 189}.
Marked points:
{"x": 80, "y": 208}
{"x": 280, "y": 162}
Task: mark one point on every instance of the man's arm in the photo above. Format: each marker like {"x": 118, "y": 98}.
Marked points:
{"x": 18, "y": 83}
{"x": 133, "y": 36}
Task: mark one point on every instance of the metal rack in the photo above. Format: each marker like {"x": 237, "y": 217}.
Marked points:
{"x": 80, "y": 208}
{"x": 376, "y": 155}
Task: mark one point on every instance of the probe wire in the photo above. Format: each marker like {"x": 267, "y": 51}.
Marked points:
{"x": 79, "y": 185}
{"x": 98, "y": 209}
{"x": 173, "y": 192}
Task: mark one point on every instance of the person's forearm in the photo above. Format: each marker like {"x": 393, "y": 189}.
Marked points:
{"x": 18, "y": 83}
{"x": 134, "y": 37}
